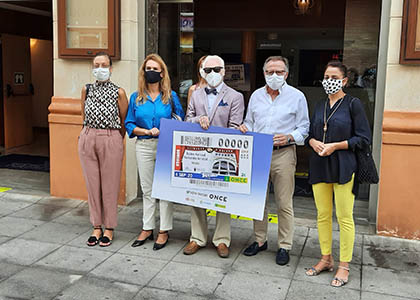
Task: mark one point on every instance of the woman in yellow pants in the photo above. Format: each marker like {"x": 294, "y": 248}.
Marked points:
{"x": 338, "y": 126}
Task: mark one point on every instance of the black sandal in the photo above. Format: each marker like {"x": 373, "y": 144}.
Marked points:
{"x": 93, "y": 240}
{"x": 105, "y": 241}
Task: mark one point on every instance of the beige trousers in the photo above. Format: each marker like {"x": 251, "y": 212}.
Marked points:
{"x": 282, "y": 175}
{"x": 199, "y": 230}
{"x": 146, "y": 158}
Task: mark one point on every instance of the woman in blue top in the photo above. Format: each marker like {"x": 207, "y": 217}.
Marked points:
{"x": 147, "y": 107}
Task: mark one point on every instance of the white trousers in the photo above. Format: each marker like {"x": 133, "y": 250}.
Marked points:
{"x": 146, "y": 158}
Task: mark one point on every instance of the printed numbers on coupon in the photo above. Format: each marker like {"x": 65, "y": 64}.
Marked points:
{"x": 233, "y": 143}
{"x": 209, "y": 183}
{"x": 195, "y": 141}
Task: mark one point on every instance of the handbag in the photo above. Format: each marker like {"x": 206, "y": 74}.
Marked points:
{"x": 366, "y": 169}
{"x": 174, "y": 116}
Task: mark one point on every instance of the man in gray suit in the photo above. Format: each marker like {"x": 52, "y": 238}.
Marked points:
{"x": 216, "y": 105}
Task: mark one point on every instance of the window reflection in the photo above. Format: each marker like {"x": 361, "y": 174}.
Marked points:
{"x": 87, "y": 24}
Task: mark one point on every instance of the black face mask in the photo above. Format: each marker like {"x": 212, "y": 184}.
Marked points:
{"x": 152, "y": 76}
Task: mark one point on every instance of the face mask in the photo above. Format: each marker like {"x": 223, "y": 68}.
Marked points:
{"x": 213, "y": 79}
{"x": 153, "y": 76}
{"x": 101, "y": 74}
{"x": 275, "y": 82}
{"x": 332, "y": 86}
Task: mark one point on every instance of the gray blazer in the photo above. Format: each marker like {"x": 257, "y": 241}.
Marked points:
{"x": 228, "y": 109}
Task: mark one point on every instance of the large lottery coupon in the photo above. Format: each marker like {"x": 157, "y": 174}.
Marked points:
{"x": 219, "y": 168}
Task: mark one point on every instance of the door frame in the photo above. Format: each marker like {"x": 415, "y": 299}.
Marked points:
{"x": 1, "y": 97}
{"x": 379, "y": 103}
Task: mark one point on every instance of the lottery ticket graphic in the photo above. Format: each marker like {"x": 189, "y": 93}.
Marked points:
{"x": 219, "y": 162}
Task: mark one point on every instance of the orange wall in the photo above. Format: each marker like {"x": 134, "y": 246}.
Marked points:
{"x": 399, "y": 195}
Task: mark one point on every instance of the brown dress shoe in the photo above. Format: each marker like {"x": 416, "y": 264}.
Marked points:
{"x": 191, "y": 248}
{"x": 223, "y": 250}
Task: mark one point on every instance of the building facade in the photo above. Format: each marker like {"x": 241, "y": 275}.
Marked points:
{"x": 366, "y": 35}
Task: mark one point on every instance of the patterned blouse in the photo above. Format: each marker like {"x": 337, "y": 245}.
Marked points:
{"x": 101, "y": 106}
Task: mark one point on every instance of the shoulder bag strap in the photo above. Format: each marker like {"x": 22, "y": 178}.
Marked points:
{"x": 172, "y": 105}
{"x": 87, "y": 89}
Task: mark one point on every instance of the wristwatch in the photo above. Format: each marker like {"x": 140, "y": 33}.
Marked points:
{"x": 289, "y": 139}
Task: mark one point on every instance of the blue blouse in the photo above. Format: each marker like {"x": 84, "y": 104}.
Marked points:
{"x": 148, "y": 114}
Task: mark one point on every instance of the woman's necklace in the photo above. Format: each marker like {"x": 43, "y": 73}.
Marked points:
{"x": 154, "y": 95}
{"x": 329, "y": 117}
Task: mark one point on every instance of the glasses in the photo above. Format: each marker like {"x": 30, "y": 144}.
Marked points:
{"x": 279, "y": 73}
{"x": 215, "y": 69}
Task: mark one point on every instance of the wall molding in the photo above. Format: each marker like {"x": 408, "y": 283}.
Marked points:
{"x": 65, "y": 111}
{"x": 401, "y": 121}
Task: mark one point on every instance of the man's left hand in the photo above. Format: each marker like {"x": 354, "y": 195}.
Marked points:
{"x": 280, "y": 140}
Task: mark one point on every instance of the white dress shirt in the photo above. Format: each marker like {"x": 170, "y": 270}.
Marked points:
{"x": 212, "y": 97}
{"x": 286, "y": 114}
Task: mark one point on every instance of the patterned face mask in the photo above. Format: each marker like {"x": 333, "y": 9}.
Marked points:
{"x": 332, "y": 86}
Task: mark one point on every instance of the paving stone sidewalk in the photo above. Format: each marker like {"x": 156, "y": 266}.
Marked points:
{"x": 43, "y": 255}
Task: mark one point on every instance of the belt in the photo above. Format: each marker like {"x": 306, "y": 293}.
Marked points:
{"x": 281, "y": 147}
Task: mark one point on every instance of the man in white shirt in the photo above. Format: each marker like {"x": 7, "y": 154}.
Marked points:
{"x": 281, "y": 110}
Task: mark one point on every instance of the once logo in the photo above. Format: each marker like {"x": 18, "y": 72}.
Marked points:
{"x": 218, "y": 197}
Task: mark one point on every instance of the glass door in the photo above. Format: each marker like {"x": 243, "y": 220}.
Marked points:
{"x": 175, "y": 45}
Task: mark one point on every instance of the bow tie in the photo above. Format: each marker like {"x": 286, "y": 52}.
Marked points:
{"x": 210, "y": 91}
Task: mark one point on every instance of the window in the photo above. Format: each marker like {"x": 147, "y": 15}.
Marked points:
{"x": 410, "y": 36}
{"x": 224, "y": 167}
{"x": 87, "y": 27}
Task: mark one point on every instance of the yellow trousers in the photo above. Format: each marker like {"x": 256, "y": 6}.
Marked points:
{"x": 344, "y": 202}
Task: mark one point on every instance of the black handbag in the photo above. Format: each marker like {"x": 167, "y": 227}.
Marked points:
{"x": 366, "y": 168}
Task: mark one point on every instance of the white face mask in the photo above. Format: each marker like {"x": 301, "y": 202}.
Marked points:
{"x": 213, "y": 79}
{"x": 332, "y": 86}
{"x": 101, "y": 74}
{"x": 275, "y": 82}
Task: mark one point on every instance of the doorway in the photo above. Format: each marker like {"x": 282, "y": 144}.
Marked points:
{"x": 309, "y": 39}
{"x": 26, "y": 81}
